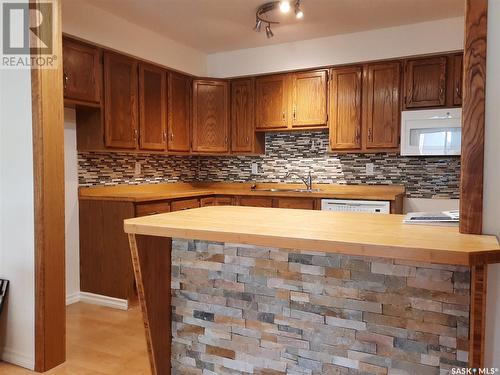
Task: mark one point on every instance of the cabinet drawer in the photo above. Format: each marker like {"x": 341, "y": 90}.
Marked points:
{"x": 204, "y": 202}
{"x": 224, "y": 201}
{"x": 185, "y": 204}
{"x": 256, "y": 201}
{"x": 145, "y": 209}
{"x": 298, "y": 203}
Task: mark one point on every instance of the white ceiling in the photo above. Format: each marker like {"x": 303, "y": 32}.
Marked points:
{"x": 223, "y": 25}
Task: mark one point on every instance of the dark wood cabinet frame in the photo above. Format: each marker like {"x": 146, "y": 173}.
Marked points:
{"x": 48, "y": 143}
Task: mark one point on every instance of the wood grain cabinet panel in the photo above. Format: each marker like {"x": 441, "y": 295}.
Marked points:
{"x": 425, "y": 82}
{"x": 224, "y": 201}
{"x": 210, "y": 116}
{"x": 82, "y": 71}
{"x": 345, "y": 108}
{"x": 382, "y": 105}
{"x": 271, "y": 102}
{"x": 242, "y": 115}
{"x": 296, "y": 203}
{"x": 121, "y": 103}
{"x": 309, "y": 92}
{"x": 255, "y": 201}
{"x": 458, "y": 74}
{"x": 185, "y": 204}
{"x": 152, "y": 107}
{"x": 154, "y": 208}
{"x": 179, "y": 113}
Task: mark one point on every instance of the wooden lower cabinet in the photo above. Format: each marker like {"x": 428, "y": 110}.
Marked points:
{"x": 145, "y": 209}
{"x": 184, "y": 204}
{"x": 224, "y": 201}
{"x": 105, "y": 262}
{"x": 296, "y": 203}
{"x": 255, "y": 201}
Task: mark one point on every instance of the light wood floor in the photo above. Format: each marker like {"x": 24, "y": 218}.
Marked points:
{"x": 100, "y": 341}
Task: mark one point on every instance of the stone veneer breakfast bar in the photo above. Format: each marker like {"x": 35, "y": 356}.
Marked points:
{"x": 242, "y": 290}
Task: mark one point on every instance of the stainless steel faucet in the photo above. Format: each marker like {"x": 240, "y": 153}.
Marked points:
{"x": 306, "y": 180}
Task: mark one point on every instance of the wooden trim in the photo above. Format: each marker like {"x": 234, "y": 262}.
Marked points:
{"x": 48, "y": 159}
{"x": 152, "y": 266}
{"x": 474, "y": 97}
{"x": 479, "y": 277}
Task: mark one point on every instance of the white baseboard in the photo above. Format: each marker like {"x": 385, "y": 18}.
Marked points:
{"x": 16, "y": 358}
{"x": 72, "y": 298}
{"x": 96, "y": 299}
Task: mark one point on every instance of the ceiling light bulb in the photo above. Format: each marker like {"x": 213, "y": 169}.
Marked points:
{"x": 285, "y": 6}
{"x": 258, "y": 25}
{"x": 299, "y": 14}
{"x": 269, "y": 32}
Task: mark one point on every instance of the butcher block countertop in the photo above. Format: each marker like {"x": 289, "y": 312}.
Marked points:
{"x": 350, "y": 233}
{"x": 155, "y": 192}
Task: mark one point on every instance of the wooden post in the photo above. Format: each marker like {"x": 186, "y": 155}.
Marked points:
{"x": 474, "y": 97}
{"x": 152, "y": 266}
{"x": 479, "y": 276}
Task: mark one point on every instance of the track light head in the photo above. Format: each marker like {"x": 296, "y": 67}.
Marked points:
{"x": 299, "y": 14}
{"x": 269, "y": 32}
{"x": 258, "y": 25}
{"x": 285, "y": 6}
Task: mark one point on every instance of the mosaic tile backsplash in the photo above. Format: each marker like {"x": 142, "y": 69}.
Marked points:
{"x": 424, "y": 177}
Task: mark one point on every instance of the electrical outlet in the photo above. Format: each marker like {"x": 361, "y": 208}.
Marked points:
{"x": 370, "y": 167}
{"x": 138, "y": 169}
{"x": 255, "y": 168}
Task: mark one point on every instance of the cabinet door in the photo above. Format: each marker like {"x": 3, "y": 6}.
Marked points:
{"x": 296, "y": 203}
{"x": 271, "y": 102}
{"x": 82, "y": 71}
{"x": 425, "y": 82}
{"x": 345, "y": 108}
{"x": 382, "y": 108}
{"x": 458, "y": 74}
{"x": 255, "y": 201}
{"x": 179, "y": 113}
{"x": 152, "y": 107}
{"x": 121, "y": 104}
{"x": 242, "y": 115}
{"x": 210, "y": 116}
{"x": 185, "y": 204}
{"x": 309, "y": 99}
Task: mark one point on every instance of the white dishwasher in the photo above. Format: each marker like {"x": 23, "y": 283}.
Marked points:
{"x": 343, "y": 205}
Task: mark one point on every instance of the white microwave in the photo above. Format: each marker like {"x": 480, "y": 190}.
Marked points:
{"x": 431, "y": 132}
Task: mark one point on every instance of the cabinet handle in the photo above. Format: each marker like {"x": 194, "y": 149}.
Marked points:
{"x": 357, "y": 135}
{"x": 294, "y": 113}
{"x": 65, "y": 80}
{"x": 171, "y": 136}
{"x": 225, "y": 140}
{"x": 135, "y": 134}
{"x": 284, "y": 116}
{"x": 457, "y": 89}
{"x": 370, "y": 135}
{"x": 248, "y": 139}
{"x": 441, "y": 91}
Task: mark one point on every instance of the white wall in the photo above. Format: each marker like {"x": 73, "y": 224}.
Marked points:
{"x": 17, "y": 217}
{"x": 91, "y": 23}
{"x": 421, "y": 38}
{"x": 491, "y": 213}
{"x": 429, "y": 205}
{"x": 71, "y": 207}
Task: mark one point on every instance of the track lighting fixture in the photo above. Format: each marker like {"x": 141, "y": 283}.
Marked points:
{"x": 283, "y": 5}
{"x": 269, "y": 32}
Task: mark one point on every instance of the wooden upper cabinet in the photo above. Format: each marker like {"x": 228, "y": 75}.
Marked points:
{"x": 152, "y": 107}
{"x": 242, "y": 115}
{"x": 120, "y": 101}
{"x": 210, "y": 116}
{"x": 425, "y": 82}
{"x": 382, "y": 105}
{"x": 81, "y": 71}
{"x": 458, "y": 74}
{"x": 179, "y": 113}
{"x": 345, "y": 108}
{"x": 271, "y": 102}
{"x": 309, "y": 92}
